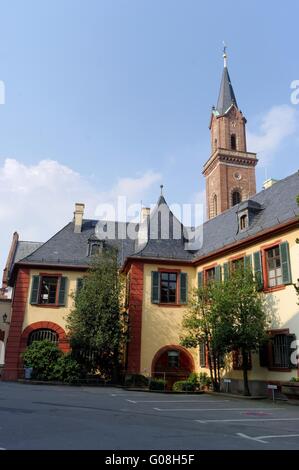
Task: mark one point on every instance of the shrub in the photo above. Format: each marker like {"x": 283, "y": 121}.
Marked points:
{"x": 157, "y": 384}
{"x": 42, "y": 357}
{"x": 66, "y": 369}
{"x": 183, "y": 386}
{"x": 294, "y": 379}
{"x": 204, "y": 380}
{"x": 194, "y": 379}
{"x": 136, "y": 380}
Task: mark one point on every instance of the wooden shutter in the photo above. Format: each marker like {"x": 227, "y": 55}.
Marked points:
{"x": 258, "y": 270}
{"x": 183, "y": 288}
{"x": 34, "y": 290}
{"x": 200, "y": 279}
{"x": 226, "y": 271}
{"x": 79, "y": 284}
{"x": 285, "y": 263}
{"x": 155, "y": 287}
{"x": 62, "y": 291}
{"x": 247, "y": 262}
{"x": 218, "y": 273}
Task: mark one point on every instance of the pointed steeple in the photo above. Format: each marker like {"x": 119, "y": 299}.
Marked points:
{"x": 226, "y": 95}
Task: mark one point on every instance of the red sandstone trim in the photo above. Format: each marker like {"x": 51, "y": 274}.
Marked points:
{"x": 135, "y": 318}
{"x": 17, "y": 340}
{"x": 167, "y": 348}
{"x": 12, "y": 353}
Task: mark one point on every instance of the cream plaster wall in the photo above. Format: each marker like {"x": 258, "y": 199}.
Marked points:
{"x": 161, "y": 326}
{"x": 35, "y": 313}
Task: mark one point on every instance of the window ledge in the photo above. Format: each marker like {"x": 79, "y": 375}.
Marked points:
{"x": 280, "y": 369}
{"x": 274, "y": 289}
{"x": 47, "y": 305}
{"x": 170, "y": 305}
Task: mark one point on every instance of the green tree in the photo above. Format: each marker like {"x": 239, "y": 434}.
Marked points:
{"x": 205, "y": 323}
{"x": 96, "y": 324}
{"x": 248, "y": 316}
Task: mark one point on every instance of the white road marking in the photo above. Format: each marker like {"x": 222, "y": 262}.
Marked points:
{"x": 2, "y": 448}
{"x": 131, "y": 401}
{"x": 217, "y": 409}
{"x": 243, "y": 419}
{"x": 261, "y": 438}
{"x": 178, "y": 401}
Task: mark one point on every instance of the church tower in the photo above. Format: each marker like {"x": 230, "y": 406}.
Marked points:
{"x": 230, "y": 170}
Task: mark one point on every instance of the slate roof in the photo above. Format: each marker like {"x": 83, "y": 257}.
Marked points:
{"x": 25, "y": 249}
{"x": 226, "y": 94}
{"x": 277, "y": 204}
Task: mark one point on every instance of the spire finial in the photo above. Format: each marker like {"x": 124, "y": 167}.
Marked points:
{"x": 224, "y": 53}
{"x": 161, "y": 187}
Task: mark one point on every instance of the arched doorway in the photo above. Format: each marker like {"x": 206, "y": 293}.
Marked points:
{"x": 174, "y": 363}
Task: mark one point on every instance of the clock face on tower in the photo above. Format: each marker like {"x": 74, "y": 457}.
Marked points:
{"x": 237, "y": 176}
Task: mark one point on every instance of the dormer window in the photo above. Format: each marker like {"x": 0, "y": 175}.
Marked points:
{"x": 95, "y": 248}
{"x": 243, "y": 222}
{"x": 247, "y": 212}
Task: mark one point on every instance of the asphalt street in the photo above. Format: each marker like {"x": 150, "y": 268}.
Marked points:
{"x": 63, "y": 417}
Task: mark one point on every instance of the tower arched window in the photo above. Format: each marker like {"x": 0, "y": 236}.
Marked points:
{"x": 213, "y": 208}
{"x": 233, "y": 142}
{"x": 236, "y": 197}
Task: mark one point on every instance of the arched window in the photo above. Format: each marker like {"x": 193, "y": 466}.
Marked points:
{"x": 213, "y": 208}
{"x": 215, "y": 205}
{"x": 43, "y": 334}
{"x": 236, "y": 197}
{"x": 233, "y": 142}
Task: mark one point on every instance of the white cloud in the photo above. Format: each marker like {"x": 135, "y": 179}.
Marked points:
{"x": 38, "y": 200}
{"x": 275, "y": 126}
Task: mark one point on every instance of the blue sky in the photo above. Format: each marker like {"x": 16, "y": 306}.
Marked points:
{"x": 115, "y": 96}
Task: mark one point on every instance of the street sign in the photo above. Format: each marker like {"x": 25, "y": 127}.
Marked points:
{"x": 272, "y": 387}
{"x": 227, "y": 381}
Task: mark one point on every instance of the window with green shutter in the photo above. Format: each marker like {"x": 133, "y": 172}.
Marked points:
{"x": 248, "y": 262}
{"x": 200, "y": 279}
{"x": 79, "y": 284}
{"x": 62, "y": 291}
{"x": 183, "y": 288}
{"x": 278, "y": 265}
{"x": 258, "y": 270}
{"x": 155, "y": 287}
{"x": 225, "y": 271}
{"x": 48, "y": 290}
{"x": 218, "y": 276}
{"x": 285, "y": 263}
{"x": 34, "y": 290}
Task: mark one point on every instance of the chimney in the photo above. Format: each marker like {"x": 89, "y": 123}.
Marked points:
{"x": 78, "y": 217}
{"x": 269, "y": 182}
{"x": 145, "y": 213}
